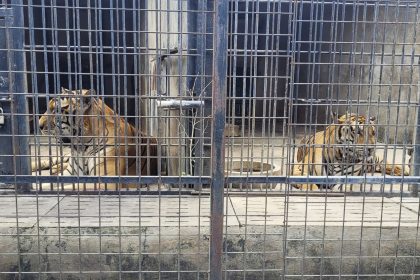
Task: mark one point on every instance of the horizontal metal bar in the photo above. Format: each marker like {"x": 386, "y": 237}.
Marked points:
{"x": 321, "y": 193}
{"x": 176, "y": 192}
{"x": 389, "y": 3}
{"x": 6, "y": 12}
{"x": 206, "y": 192}
{"x": 324, "y": 179}
{"x": 11, "y": 179}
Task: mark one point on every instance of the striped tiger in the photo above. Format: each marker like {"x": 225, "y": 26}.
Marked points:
{"x": 101, "y": 142}
{"x": 346, "y": 147}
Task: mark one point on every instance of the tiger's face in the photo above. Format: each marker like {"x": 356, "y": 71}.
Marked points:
{"x": 64, "y": 114}
{"x": 359, "y": 132}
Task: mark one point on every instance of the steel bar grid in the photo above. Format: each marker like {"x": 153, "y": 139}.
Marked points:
{"x": 202, "y": 139}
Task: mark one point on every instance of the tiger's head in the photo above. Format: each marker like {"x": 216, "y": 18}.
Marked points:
{"x": 64, "y": 114}
{"x": 358, "y": 131}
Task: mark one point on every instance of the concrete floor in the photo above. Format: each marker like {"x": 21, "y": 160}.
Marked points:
{"x": 256, "y": 148}
{"x": 194, "y": 211}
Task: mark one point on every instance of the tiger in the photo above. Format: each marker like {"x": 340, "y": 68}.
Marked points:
{"x": 101, "y": 142}
{"x": 346, "y": 147}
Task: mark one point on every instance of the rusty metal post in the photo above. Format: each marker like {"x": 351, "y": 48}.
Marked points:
{"x": 14, "y": 151}
{"x": 218, "y": 153}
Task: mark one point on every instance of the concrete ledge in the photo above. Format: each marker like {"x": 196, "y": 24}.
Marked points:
{"x": 302, "y": 237}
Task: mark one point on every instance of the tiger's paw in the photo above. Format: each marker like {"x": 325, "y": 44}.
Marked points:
{"x": 406, "y": 171}
{"x": 398, "y": 171}
{"x": 305, "y": 187}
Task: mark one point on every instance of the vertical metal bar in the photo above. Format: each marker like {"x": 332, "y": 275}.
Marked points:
{"x": 59, "y": 148}
{"x": 9, "y": 48}
{"x": 416, "y": 153}
{"x": 232, "y": 88}
{"x": 202, "y": 68}
{"x": 35, "y": 112}
{"x": 100, "y": 85}
{"x": 294, "y": 29}
{"x": 402, "y": 108}
{"x": 19, "y": 95}
{"x": 246, "y": 77}
{"x": 410, "y": 90}
{"x": 252, "y": 100}
{"x": 191, "y": 65}
{"x": 233, "y": 78}
{"x": 389, "y": 91}
{"x": 219, "y": 82}
{"x": 182, "y": 153}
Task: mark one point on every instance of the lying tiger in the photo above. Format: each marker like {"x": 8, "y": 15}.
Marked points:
{"x": 347, "y": 147}
{"x": 101, "y": 142}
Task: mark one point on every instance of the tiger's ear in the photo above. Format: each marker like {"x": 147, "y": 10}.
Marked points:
{"x": 335, "y": 117}
{"x": 344, "y": 119}
{"x": 64, "y": 103}
{"x": 372, "y": 119}
{"x": 64, "y": 90}
{"x": 88, "y": 92}
{"x": 87, "y": 96}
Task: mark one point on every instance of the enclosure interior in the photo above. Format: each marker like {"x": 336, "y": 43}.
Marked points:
{"x": 112, "y": 48}
{"x": 359, "y": 59}
{"x": 285, "y": 77}
{"x": 288, "y": 79}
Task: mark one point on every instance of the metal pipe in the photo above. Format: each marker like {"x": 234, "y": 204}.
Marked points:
{"x": 180, "y": 104}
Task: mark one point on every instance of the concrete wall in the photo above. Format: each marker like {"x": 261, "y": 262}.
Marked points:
{"x": 369, "y": 66}
{"x": 332, "y": 257}
{"x": 359, "y": 58}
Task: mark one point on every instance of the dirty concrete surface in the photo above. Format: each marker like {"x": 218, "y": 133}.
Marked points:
{"x": 94, "y": 236}
{"x": 58, "y": 236}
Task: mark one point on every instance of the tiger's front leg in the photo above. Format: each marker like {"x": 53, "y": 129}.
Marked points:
{"x": 55, "y": 167}
{"x": 108, "y": 167}
{"x": 37, "y": 166}
{"x": 56, "y": 164}
{"x": 54, "y": 185}
{"x": 300, "y": 170}
{"x": 59, "y": 168}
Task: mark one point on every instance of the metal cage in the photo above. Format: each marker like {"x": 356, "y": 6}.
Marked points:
{"x": 230, "y": 139}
